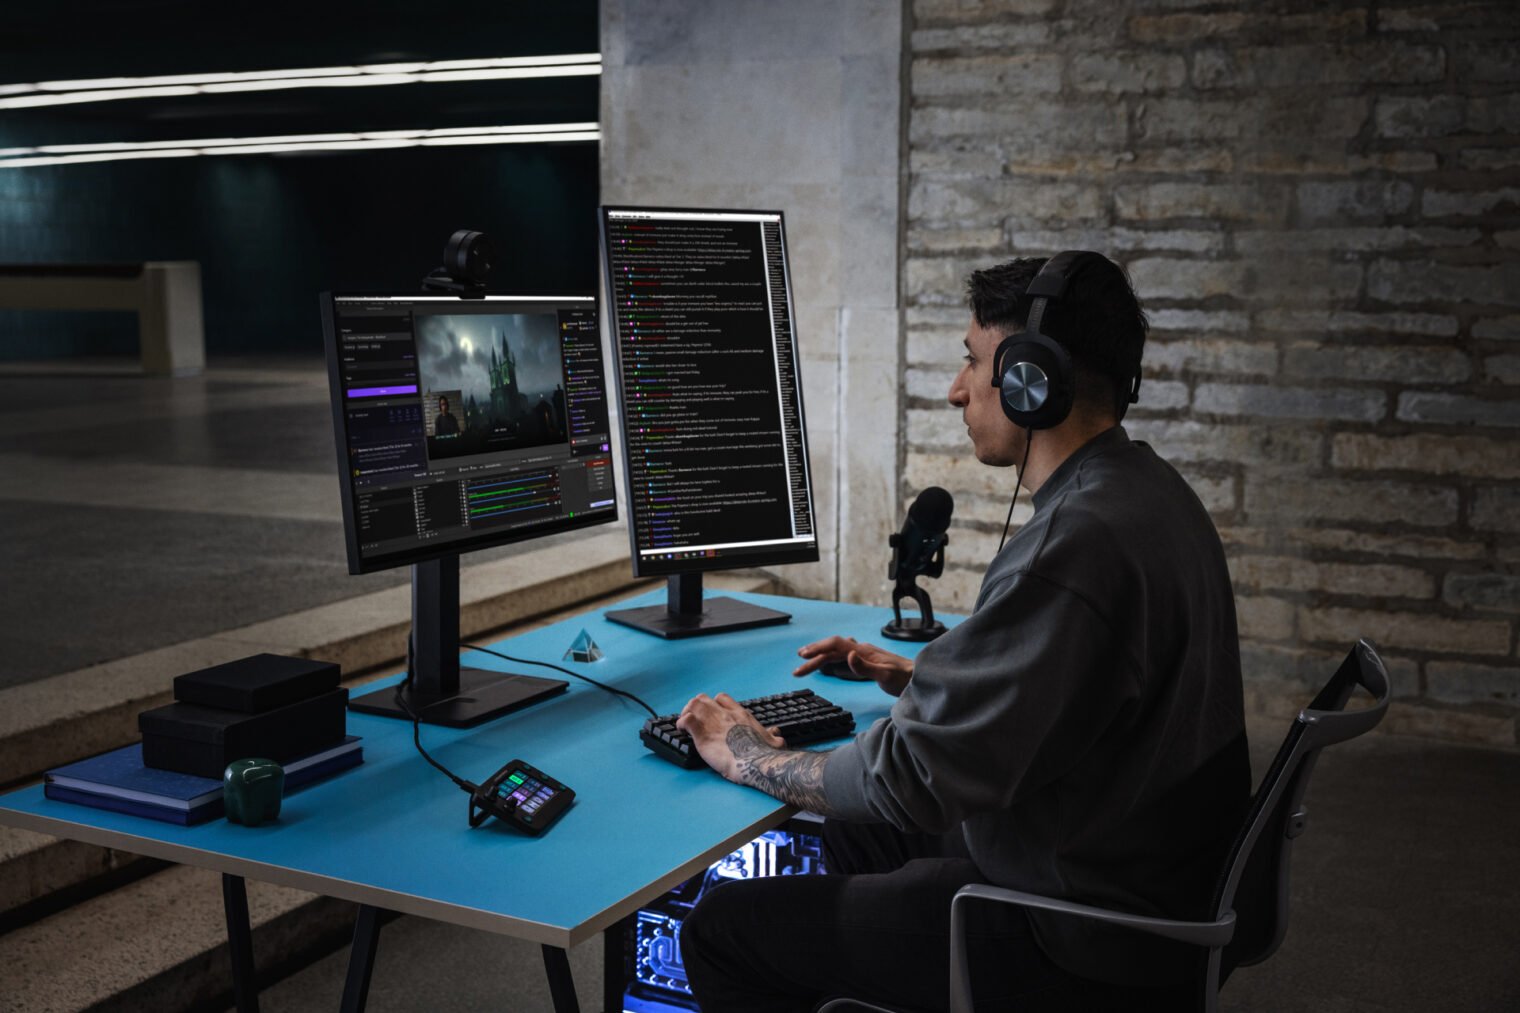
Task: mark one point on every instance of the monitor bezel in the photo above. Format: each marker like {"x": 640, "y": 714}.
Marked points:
{"x": 666, "y": 568}
{"x": 356, "y": 563}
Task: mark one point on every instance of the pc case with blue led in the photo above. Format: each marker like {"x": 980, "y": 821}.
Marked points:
{"x": 644, "y": 972}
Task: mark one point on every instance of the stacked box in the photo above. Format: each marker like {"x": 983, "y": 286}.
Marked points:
{"x": 266, "y": 706}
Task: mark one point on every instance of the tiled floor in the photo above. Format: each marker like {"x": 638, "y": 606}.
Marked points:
{"x": 140, "y": 512}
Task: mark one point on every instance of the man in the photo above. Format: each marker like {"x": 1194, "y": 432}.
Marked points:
{"x": 445, "y": 424}
{"x": 1080, "y": 735}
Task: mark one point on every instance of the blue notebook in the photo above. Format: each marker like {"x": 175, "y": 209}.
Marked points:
{"x": 119, "y": 781}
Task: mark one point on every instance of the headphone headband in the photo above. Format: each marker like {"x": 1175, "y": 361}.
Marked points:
{"x": 1033, "y": 370}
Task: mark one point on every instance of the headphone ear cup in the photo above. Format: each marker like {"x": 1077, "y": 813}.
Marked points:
{"x": 1037, "y": 382}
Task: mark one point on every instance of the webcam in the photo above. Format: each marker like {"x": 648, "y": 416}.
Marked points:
{"x": 467, "y": 259}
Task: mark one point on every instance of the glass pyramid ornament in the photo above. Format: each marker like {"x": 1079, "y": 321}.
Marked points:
{"x": 583, "y": 649}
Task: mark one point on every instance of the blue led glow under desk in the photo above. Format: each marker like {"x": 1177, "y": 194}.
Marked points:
{"x": 392, "y": 833}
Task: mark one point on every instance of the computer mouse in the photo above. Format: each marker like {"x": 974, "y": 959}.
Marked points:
{"x": 842, "y": 670}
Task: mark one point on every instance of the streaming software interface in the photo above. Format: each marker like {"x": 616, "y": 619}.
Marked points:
{"x": 709, "y": 388}
{"x": 469, "y": 423}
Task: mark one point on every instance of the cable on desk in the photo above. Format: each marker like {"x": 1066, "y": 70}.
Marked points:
{"x": 406, "y": 684}
{"x": 401, "y": 688}
{"x": 577, "y": 675}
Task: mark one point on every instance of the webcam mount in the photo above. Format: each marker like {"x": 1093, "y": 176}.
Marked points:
{"x": 467, "y": 259}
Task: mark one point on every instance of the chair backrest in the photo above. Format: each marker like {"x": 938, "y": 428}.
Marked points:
{"x": 1255, "y": 880}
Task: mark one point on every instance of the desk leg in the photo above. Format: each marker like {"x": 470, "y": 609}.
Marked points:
{"x": 361, "y": 959}
{"x": 245, "y": 985}
{"x": 561, "y": 985}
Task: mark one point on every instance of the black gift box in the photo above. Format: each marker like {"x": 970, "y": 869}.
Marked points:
{"x": 257, "y": 684}
{"x": 200, "y": 740}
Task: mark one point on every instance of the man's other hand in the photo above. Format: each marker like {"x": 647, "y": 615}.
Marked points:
{"x": 710, "y": 720}
{"x": 892, "y": 672}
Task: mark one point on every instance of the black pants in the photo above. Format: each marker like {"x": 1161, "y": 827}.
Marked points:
{"x": 877, "y": 927}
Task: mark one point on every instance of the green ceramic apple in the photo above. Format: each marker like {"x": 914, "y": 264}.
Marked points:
{"x": 251, "y": 791}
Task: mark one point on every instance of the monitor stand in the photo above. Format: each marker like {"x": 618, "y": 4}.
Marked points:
{"x": 687, "y": 614}
{"x": 443, "y": 693}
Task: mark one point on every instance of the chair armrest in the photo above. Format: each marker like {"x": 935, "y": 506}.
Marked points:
{"x": 1210, "y": 934}
{"x": 853, "y": 1006}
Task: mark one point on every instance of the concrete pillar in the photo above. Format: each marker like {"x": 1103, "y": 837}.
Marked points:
{"x": 794, "y": 106}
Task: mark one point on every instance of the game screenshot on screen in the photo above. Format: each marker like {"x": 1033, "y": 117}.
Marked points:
{"x": 652, "y": 972}
{"x": 469, "y": 423}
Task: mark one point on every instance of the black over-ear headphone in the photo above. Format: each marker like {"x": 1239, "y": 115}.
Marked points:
{"x": 1033, "y": 371}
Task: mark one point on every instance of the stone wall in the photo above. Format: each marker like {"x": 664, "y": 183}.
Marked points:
{"x": 1320, "y": 206}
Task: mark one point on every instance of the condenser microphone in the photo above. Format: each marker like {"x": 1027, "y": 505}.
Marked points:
{"x": 918, "y": 550}
{"x": 922, "y": 534}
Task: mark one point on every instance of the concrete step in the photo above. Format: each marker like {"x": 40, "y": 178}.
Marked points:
{"x": 58, "y": 719}
{"x": 40, "y": 874}
{"x": 130, "y": 967}
{"x": 161, "y": 944}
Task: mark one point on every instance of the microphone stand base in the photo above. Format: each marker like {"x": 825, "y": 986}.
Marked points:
{"x": 913, "y": 629}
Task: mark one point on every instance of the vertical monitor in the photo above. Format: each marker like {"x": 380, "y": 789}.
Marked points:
{"x": 700, "y": 310}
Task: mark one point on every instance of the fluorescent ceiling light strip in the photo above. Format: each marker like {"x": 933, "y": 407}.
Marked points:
{"x": 215, "y": 142}
{"x": 112, "y": 156}
{"x": 536, "y": 129}
{"x": 588, "y": 135}
{"x": 286, "y": 84}
{"x": 524, "y": 128}
{"x": 81, "y": 97}
{"x": 218, "y": 78}
{"x": 520, "y": 66}
{"x": 268, "y": 149}
{"x": 313, "y": 143}
{"x": 506, "y": 61}
{"x": 503, "y": 73}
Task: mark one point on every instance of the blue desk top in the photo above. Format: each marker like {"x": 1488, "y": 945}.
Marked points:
{"x": 393, "y": 833}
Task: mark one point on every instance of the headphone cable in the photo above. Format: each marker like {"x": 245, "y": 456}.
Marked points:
{"x": 1019, "y": 481}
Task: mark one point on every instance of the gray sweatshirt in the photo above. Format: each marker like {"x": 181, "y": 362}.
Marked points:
{"x": 1083, "y": 727}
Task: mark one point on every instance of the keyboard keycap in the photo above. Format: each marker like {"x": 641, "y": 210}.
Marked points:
{"x": 802, "y": 716}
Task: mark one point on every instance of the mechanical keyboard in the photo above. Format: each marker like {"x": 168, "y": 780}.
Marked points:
{"x": 801, "y": 717}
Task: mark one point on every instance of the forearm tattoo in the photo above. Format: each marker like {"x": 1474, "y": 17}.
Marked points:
{"x": 794, "y": 776}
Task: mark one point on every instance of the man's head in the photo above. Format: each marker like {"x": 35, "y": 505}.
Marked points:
{"x": 443, "y": 406}
{"x": 1099, "y": 321}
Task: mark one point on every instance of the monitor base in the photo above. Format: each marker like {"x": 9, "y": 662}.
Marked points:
{"x": 482, "y": 695}
{"x": 916, "y": 630}
{"x": 718, "y": 615}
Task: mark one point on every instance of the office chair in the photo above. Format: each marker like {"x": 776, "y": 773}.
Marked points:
{"x": 1251, "y": 899}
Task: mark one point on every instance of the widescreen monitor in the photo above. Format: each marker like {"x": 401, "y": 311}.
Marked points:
{"x": 463, "y": 424}
{"x": 699, "y": 305}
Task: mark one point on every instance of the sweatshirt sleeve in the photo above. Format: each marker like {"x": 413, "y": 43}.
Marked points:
{"x": 998, "y": 706}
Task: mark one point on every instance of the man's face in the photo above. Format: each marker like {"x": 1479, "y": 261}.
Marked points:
{"x": 994, "y": 439}
{"x": 443, "y": 406}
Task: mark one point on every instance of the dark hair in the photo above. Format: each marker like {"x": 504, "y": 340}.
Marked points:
{"x": 1100, "y": 321}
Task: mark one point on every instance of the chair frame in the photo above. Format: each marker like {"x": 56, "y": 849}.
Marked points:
{"x": 1276, "y": 817}
{"x": 1278, "y": 804}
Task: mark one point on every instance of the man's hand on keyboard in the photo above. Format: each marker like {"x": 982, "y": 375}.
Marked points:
{"x": 892, "y": 672}
{"x": 709, "y": 721}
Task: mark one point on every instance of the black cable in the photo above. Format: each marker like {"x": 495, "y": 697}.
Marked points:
{"x": 1017, "y": 482}
{"x": 401, "y": 688}
{"x": 406, "y": 683}
{"x": 557, "y": 668}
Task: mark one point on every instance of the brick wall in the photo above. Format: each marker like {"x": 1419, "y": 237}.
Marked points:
{"x": 1320, "y": 206}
